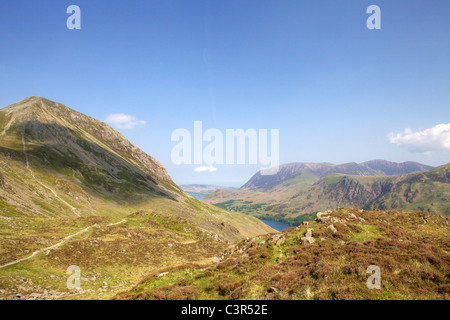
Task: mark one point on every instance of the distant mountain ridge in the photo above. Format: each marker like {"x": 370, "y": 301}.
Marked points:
{"x": 369, "y": 168}
{"x": 200, "y": 191}
{"x": 425, "y": 191}
{"x": 304, "y": 188}
{"x": 203, "y": 187}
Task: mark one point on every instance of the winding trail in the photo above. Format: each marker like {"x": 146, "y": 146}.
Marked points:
{"x": 73, "y": 209}
{"x": 115, "y": 224}
{"x": 8, "y": 125}
{"x": 59, "y": 243}
{"x": 48, "y": 248}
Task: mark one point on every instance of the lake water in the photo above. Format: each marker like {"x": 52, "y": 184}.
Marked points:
{"x": 279, "y": 226}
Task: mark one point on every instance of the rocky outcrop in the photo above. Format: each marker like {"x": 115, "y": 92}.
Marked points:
{"x": 332, "y": 229}
{"x": 323, "y": 216}
{"x": 308, "y": 238}
{"x": 349, "y": 191}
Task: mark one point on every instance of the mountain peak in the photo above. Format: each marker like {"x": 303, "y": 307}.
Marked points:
{"x": 33, "y": 106}
{"x": 53, "y": 125}
{"x": 59, "y": 163}
{"x": 32, "y": 100}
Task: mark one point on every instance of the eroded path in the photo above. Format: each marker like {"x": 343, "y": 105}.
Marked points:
{"x": 58, "y": 244}
{"x": 48, "y": 248}
{"x": 116, "y": 223}
{"x": 8, "y": 125}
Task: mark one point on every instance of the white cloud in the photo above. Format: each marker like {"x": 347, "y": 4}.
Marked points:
{"x": 123, "y": 121}
{"x": 432, "y": 139}
{"x": 205, "y": 169}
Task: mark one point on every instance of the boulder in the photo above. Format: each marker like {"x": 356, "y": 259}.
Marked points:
{"x": 162, "y": 274}
{"x": 281, "y": 241}
{"x": 352, "y": 215}
{"x": 323, "y": 216}
{"x": 274, "y": 290}
{"x": 332, "y": 228}
{"x": 274, "y": 239}
{"x": 215, "y": 260}
{"x": 308, "y": 238}
{"x": 35, "y": 296}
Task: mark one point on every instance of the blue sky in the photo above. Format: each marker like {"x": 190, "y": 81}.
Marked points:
{"x": 312, "y": 69}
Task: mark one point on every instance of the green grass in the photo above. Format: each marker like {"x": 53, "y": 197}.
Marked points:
{"x": 369, "y": 232}
{"x": 3, "y": 120}
{"x": 247, "y": 207}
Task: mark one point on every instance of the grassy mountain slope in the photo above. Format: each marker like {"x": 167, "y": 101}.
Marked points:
{"x": 428, "y": 191}
{"x": 410, "y": 248}
{"x": 60, "y": 163}
{"x": 73, "y": 191}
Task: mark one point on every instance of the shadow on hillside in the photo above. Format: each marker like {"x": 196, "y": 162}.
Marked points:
{"x": 61, "y": 149}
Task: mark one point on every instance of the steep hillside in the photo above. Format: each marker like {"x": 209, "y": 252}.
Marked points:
{"x": 57, "y": 162}
{"x": 427, "y": 191}
{"x": 73, "y": 191}
{"x": 47, "y": 146}
{"x": 323, "y": 259}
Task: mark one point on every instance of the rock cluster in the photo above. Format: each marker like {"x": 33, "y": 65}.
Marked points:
{"x": 323, "y": 216}
{"x": 332, "y": 228}
{"x": 25, "y": 289}
{"x": 308, "y": 238}
{"x": 277, "y": 239}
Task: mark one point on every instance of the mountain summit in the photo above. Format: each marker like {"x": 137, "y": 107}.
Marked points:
{"x": 67, "y": 130}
